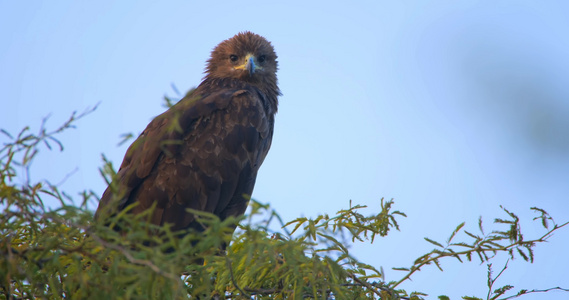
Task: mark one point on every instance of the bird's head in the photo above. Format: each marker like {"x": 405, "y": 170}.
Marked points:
{"x": 246, "y": 56}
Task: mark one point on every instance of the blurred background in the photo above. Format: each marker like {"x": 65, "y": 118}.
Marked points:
{"x": 450, "y": 108}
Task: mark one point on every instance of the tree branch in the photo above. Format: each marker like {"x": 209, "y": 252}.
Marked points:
{"x": 478, "y": 249}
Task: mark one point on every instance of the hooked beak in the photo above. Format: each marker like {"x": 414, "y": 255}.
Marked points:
{"x": 249, "y": 65}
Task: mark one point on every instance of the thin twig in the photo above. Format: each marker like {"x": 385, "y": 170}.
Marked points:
{"x": 233, "y": 278}
{"x": 492, "y": 281}
{"x": 536, "y": 291}
{"x": 136, "y": 261}
{"x": 364, "y": 283}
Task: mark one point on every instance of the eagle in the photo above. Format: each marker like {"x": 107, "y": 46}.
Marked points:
{"x": 204, "y": 152}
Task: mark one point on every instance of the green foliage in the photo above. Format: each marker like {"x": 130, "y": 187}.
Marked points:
{"x": 61, "y": 252}
{"x": 485, "y": 246}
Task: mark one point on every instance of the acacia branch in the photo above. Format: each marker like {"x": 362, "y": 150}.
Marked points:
{"x": 364, "y": 283}
{"x": 525, "y": 292}
{"x": 492, "y": 281}
{"x": 136, "y": 261}
{"x": 478, "y": 249}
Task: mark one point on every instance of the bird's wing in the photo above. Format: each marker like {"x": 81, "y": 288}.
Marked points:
{"x": 178, "y": 157}
{"x": 161, "y": 135}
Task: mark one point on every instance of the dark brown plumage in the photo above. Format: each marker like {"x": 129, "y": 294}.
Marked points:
{"x": 204, "y": 152}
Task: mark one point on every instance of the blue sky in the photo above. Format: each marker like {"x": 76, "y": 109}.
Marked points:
{"x": 450, "y": 108}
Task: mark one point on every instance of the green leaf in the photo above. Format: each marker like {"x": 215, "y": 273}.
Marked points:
{"x": 455, "y": 231}
{"x": 433, "y": 242}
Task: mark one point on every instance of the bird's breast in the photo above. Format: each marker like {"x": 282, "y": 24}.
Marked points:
{"x": 227, "y": 140}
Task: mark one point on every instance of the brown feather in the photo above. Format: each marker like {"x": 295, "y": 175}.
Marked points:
{"x": 204, "y": 152}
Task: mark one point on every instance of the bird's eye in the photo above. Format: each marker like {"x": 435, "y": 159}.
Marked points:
{"x": 233, "y": 57}
{"x": 261, "y": 58}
